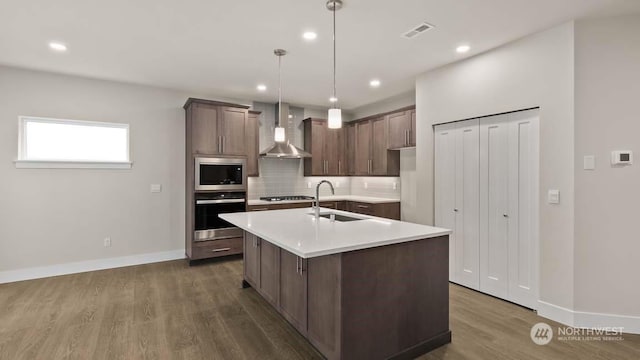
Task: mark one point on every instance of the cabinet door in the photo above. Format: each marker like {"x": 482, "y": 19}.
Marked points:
{"x": 363, "y": 148}
{"x": 494, "y": 154}
{"x": 269, "y": 271}
{"x": 379, "y": 148}
{"x": 318, "y": 156}
{"x": 252, "y": 141}
{"x": 412, "y": 131}
{"x": 399, "y": 127}
{"x": 467, "y": 203}
{"x": 522, "y": 208}
{"x": 293, "y": 289}
{"x": 232, "y": 129}
{"x": 445, "y": 190}
{"x": 204, "y": 129}
{"x": 252, "y": 259}
{"x": 334, "y": 152}
{"x": 351, "y": 149}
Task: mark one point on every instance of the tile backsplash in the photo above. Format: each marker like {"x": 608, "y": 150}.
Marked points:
{"x": 286, "y": 177}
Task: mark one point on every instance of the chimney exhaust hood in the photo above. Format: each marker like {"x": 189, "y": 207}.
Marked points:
{"x": 284, "y": 150}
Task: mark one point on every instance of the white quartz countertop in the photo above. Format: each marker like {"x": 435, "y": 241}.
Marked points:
{"x": 367, "y": 199}
{"x": 298, "y": 232}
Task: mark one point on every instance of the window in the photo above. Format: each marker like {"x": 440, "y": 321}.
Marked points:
{"x": 55, "y": 143}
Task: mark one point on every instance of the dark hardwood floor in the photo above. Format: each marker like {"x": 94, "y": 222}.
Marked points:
{"x": 172, "y": 311}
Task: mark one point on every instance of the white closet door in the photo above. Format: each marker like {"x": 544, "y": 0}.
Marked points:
{"x": 445, "y": 195}
{"x": 523, "y": 208}
{"x": 494, "y": 156}
{"x": 467, "y": 203}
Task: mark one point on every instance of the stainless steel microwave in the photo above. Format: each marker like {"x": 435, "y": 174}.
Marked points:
{"x": 223, "y": 174}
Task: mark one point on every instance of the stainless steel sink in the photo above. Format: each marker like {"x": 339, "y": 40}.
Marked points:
{"x": 339, "y": 217}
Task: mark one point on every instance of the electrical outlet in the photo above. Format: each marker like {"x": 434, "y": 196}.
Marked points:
{"x": 395, "y": 185}
{"x": 309, "y": 185}
{"x": 337, "y": 184}
{"x": 107, "y": 242}
{"x": 366, "y": 185}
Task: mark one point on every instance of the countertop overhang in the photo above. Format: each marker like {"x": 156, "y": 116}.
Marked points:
{"x": 299, "y": 232}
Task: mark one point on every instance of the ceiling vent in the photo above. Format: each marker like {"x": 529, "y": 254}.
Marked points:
{"x": 417, "y": 30}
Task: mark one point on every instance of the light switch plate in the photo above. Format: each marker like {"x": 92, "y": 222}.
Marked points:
{"x": 553, "y": 197}
{"x": 589, "y": 162}
{"x": 156, "y": 188}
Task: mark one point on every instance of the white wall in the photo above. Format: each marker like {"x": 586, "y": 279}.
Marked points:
{"x": 534, "y": 71}
{"x": 57, "y": 216}
{"x": 389, "y": 104}
{"x": 607, "y": 256}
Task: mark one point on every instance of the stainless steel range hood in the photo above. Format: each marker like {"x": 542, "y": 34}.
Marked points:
{"x": 284, "y": 150}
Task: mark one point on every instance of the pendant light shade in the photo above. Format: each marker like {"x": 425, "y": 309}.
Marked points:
{"x": 335, "y": 114}
{"x": 335, "y": 119}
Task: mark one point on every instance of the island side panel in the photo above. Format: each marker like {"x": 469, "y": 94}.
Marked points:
{"x": 269, "y": 272}
{"x": 324, "y": 288}
{"x": 395, "y": 300}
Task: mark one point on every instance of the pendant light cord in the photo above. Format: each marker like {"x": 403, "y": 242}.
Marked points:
{"x": 279, "y": 91}
{"x": 334, "y": 56}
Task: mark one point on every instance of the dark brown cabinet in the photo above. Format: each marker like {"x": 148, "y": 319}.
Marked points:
{"x": 216, "y": 128}
{"x": 390, "y": 210}
{"x": 293, "y": 289}
{"x": 351, "y": 148}
{"x": 269, "y": 271}
{"x": 252, "y": 259}
{"x": 252, "y": 140}
{"x": 372, "y": 156}
{"x": 327, "y": 148}
{"x": 402, "y": 129}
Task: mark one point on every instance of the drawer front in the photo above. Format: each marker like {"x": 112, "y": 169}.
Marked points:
{"x": 216, "y": 248}
{"x": 278, "y": 206}
{"x": 362, "y": 208}
{"x": 329, "y": 204}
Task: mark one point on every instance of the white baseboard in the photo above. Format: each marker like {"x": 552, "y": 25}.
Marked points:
{"x": 90, "y": 265}
{"x": 582, "y": 319}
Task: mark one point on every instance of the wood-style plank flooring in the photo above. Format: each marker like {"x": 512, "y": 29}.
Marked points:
{"x": 172, "y": 311}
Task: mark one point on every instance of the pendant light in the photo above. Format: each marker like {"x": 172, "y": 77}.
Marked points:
{"x": 335, "y": 114}
{"x": 279, "y": 134}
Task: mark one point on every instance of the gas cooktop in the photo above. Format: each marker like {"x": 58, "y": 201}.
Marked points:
{"x": 286, "y": 198}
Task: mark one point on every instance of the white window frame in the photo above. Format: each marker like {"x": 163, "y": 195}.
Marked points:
{"x": 23, "y": 163}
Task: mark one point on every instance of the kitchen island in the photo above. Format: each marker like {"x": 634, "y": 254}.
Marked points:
{"x": 356, "y": 286}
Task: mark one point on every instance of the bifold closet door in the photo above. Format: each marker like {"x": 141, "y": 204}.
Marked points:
{"x": 467, "y": 203}
{"x": 523, "y": 207}
{"x": 494, "y": 174}
{"x": 445, "y": 185}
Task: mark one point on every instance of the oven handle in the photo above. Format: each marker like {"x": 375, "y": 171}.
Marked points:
{"x": 226, "y": 201}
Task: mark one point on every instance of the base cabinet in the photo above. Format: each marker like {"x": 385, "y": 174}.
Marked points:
{"x": 361, "y": 304}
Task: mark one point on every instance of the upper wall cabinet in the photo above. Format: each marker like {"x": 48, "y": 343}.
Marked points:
{"x": 252, "y": 134}
{"x": 402, "y": 129}
{"x": 216, "y": 128}
{"x": 327, "y": 148}
{"x": 372, "y": 157}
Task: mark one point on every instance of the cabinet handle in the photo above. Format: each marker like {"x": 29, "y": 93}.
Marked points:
{"x": 339, "y": 167}
{"x": 409, "y": 142}
{"x": 221, "y": 250}
{"x": 297, "y": 265}
{"x": 406, "y": 137}
{"x": 301, "y": 266}
{"x": 363, "y": 206}
{"x": 219, "y": 144}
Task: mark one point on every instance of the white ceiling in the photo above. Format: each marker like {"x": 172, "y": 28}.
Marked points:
{"x": 226, "y": 47}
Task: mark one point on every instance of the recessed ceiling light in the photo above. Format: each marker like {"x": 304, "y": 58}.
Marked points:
{"x": 261, "y": 87}
{"x": 309, "y": 35}
{"x": 57, "y": 46}
{"x": 374, "y": 83}
{"x": 463, "y": 49}
{"x": 333, "y": 99}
